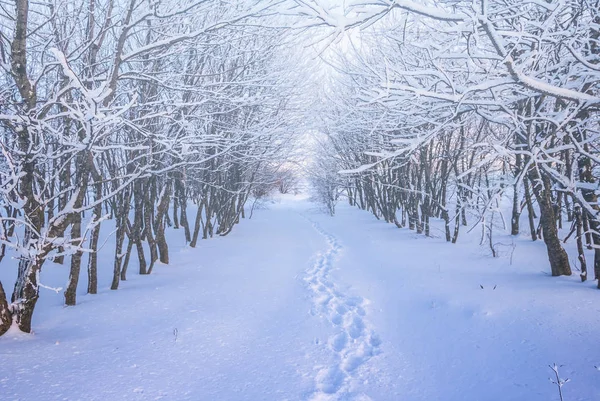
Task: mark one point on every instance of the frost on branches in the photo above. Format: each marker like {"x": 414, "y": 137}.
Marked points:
{"x": 442, "y": 109}
{"x": 133, "y": 111}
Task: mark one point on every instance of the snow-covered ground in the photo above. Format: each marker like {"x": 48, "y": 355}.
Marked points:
{"x": 296, "y": 305}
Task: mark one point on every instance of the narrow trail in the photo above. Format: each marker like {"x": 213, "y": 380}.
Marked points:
{"x": 353, "y": 343}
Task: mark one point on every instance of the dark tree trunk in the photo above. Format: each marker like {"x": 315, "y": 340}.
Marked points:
{"x": 558, "y": 210}
{"x": 457, "y": 216}
{"x": 197, "y": 225}
{"x": 71, "y": 291}
{"x": 530, "y": 210}
{"x": 595, "y": 226}
{"x": 95, "y": 237}
{"x": 559, "y": 260}
{"x": 76, "y": 234}
{"x": 93, "y": 261}
{"x": 120, "y": 238}
{"x": 137, "y": 228}
{"x": 148, "y": 231}
{"x": 26, "y": 293}
{"x": 516, "y": 212}
{"x": 183, "y": 220}
{"x": 586, "y": 174}
{"x": 161, "y": 212}
{"x": 586, "y": 230}
{"x": 5, "y": 313}
{"x": 126, "y": 260}
{"x": 175, "y": 211}
{"x": 9, "y": 229}
{"x": 580, "y": 253}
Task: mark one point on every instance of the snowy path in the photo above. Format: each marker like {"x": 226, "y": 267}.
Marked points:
{"x": 295, "y": 305}
{"x": 226, "y": 321}
{"x": 352, "y": 344}
{"x": 233, "y": 319}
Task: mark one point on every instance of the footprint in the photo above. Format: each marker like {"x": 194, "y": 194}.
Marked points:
{"x": 355, "y": 301}
{"x": 367, "y": 351}
{"x": 355, "y": 326}
{"x": 330, "y": 380}
{"x": 374, "y": 340}
{"x": 323, "y": 300}
{"x": 341, "y": 309}
{"x": 336, "y": 319}
{"x": 338, "y": 342}
{"x": 351, "y": 362}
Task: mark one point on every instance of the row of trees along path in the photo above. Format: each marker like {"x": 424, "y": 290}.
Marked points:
{"x": 443, "y": 111}
{"x": 144, "y": 113}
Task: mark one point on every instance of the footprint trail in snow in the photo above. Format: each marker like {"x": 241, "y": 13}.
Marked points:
{"x": 353, "y": 344}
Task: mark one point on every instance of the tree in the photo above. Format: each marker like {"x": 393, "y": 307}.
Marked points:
{"x": 511, "y": 80}
{"x": 120, "y": 106}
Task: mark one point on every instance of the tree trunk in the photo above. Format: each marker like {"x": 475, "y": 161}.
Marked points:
{"x": 93, "y": 261}
{"x": 161, "y": 211}
{"x": 586, "y": 230}
{"x": 183, "y": 220}
{"x": 579, "y": 239}
{"x": 71, "y": 291}
{"x": 197, "y": 224}
{"x": 148, "y": 231}
{"x": 126, "y": 260}
{"x": 95, "y": 237}
{"x": 559, "y": 260}
{"x": 5, "y": 313}
{"x": 530, "y": 210}
{"x": 457, "y": 216}
{"x": 26, "y": 293}
{"x": 136, "y": 229}
{"x": 175, "y": 211}
{"x": 516, "y": 212}
{"x": 120, "y": 237}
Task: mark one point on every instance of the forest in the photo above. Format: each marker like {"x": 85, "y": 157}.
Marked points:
{"x": 138, "y": 115}
{"x": 446, "y": 112}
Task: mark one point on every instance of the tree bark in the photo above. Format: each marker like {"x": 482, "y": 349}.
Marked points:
{"x": 71, "y": 291}
{"x": 136, "y": 229}
{"x": 5, "y": 313}
{"x": 197, "y": 224}
{"x": 580, "y": 252}
{"x": 559, "y": 260}
{"x": 95, "y": 235}
{"x": 148, "y": 230}
{"x": 530, "y": 210}
{"x": 516, "y": 212}
{"x": 26, "y": 293}
{"x": 161, "y": 211}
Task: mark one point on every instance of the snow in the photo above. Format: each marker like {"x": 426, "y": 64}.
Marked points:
{"x": 297, "y": 305}
{"x": 446, "y": 338}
